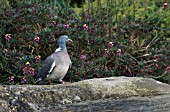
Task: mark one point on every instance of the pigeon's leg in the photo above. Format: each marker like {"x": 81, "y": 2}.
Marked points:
{"x": 63, "y": 82}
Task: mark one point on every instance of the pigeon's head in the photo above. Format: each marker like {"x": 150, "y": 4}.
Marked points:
{"x": 62, "y": 42}
{"x": 63, "y": 39}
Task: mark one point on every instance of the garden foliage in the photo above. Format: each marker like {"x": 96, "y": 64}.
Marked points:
{"x": 111, "y": 38}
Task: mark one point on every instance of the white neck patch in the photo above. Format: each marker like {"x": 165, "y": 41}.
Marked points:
{"x": 58, "y": 49}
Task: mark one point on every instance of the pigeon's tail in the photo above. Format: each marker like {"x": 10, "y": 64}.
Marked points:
{"x": 41, "y": 81}
{"x": 38, "y": 81}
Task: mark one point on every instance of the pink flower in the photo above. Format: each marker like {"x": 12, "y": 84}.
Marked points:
{"x": 24, "y": 79}
{"x": 8, "y": 37}
{"x": 25, "y": 70}
{"x": 110, "y": 44}
{"x": 164, "y": 5}
{"x": 5, "y": 50}
{"x": 119, "y": 51}
{"x": 83, "y": 57}
{"x": 27, "y": 64}
{"x": 37, "y": 58}
{"x": 11, "y": 78}
{"x": 66, "y": 25}
{"x": 31, "y": 71}
{"x": 37, "y": 39}
{"x": 105, "y": 52}
{"x": 54, "y": 23}
{"x": 85, "y": 27}
{"x": 168, "y": 69}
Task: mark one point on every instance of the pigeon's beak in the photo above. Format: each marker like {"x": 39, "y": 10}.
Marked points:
{"x": 70, "y": 40}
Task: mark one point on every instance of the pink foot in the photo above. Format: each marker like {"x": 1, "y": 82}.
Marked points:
{"x": 63, "y": 82}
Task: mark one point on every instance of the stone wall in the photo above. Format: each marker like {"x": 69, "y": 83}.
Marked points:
{"x": 87, "y": 95}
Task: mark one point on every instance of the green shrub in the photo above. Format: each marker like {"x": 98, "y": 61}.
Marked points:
{"x": 24, "y": 22}
{"x": 122, "y": 38}
{"x": 139, "y": 31}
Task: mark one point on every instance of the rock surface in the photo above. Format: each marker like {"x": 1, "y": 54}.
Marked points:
{"x": 118, "y": 94}
{"x": 130, "y": 104}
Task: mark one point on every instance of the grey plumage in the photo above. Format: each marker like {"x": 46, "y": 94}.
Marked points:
{"x": 56, "y": 65}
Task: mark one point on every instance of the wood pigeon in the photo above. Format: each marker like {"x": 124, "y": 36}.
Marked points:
{"x": 56, "y": 65}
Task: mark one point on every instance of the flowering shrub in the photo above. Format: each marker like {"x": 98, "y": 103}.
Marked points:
{"x": 120, "y": 39}
{"x": 108, "y": 40}
{"x": 25, "y": 37}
